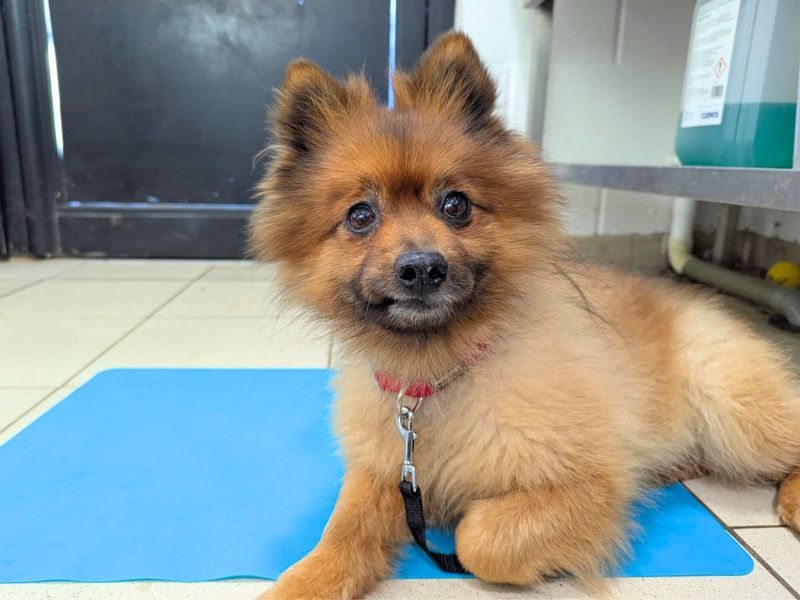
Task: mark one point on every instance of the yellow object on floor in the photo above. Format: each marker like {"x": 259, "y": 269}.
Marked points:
{"x": 785, "y": 273}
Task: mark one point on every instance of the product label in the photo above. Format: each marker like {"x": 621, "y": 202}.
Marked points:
{"x": 709, "y": 63}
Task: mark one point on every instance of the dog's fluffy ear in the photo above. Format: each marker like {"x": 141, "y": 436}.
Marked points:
{"x": 449, "y": 79}
{"x": 311, "y": 102}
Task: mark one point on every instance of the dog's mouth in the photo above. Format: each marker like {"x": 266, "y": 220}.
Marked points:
{"x": 412, "y": 314}
{"x": 415, "y": 314}
{"x": 386, "y": 305}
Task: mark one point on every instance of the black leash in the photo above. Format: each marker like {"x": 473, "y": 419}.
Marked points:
{"x": 412, "y": 496}
{"x": 415, "y": 518}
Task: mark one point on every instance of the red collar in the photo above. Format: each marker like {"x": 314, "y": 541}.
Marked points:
{"x": 425, "y": 388}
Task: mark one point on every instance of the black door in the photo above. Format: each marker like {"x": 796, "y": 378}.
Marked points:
{"x": 145, "y": 117}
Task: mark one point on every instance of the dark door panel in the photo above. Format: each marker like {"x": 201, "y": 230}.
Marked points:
{"x": 164, "y": 100}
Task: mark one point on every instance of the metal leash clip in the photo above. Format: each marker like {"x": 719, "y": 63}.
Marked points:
{"x": 405, "y": 425}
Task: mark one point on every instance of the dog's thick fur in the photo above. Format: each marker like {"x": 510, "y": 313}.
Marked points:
{"x": 595, "y": 383}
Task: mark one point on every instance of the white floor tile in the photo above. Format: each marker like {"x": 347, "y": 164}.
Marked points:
{"x": 230, "y": 298}
{"x": 737, "y": 505}
{"x": 32, "y": 269}
{"x": 35, "y": 411}
{"x": 208, "y": 342}
{"x": 242, "y": 269}
{"x": 136, "y": 590}
{"x": 780, "y": 548}
{"x": 63, "y": 298}
{"x": 140, "y": 269}
{"x": 9, "y": 285}
{"x": 759, "y": 585}
{"x": 45, "y": 352}
{"x": 426, "y": 588}
{"x": 15, "y": 401}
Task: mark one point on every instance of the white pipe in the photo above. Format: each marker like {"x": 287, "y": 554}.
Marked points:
{"x": 782, "y": 299}
{"x": 680, "y": 233}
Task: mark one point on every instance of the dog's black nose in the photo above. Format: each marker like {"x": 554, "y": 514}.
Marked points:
{"x": 421, "y": 272}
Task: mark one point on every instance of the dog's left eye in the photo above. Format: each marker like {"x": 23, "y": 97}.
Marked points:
{"x": 456, "y": 206}
{"x": 360, "y": 217}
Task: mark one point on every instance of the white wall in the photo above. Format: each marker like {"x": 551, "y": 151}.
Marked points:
{"x": 502, "y": 33}
{"x": 613, "y": 97}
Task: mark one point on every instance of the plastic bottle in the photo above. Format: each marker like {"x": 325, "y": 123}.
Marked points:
{"x": 740, "y": 90}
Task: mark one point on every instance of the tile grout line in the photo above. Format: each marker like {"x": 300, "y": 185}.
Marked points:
{"x": 124, "y": 336}
{"x": 83, "y": 262}
{"x": 60, "y": 273}
{"x": 25, "y": 387}
{"x": 759, "y": 527}
{"x": 24, "y": 286}
{"x": 765, "y": 564}
{"x": 53, "y": 276}
{"x": 148, "y": 279}
{"x": 745, "y": 545}
{"x": 30, "y": 409}
{"x": 187, "y": 284}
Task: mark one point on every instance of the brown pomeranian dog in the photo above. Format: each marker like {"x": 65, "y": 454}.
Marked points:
{"x": 428, "y": 237}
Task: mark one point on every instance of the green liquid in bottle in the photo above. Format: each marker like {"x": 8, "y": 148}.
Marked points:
{"x": 750, "y": 135}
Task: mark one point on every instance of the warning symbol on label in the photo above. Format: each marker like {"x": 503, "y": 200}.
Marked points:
{"x": 720, "y": 67}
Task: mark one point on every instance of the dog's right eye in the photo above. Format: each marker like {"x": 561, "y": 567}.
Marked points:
{"x": 360, "y": 218}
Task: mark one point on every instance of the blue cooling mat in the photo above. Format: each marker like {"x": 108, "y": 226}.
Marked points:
{"x": 195, "y": 475}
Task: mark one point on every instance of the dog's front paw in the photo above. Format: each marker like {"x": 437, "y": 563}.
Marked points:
{"x": 314, "y": 577}
{"x": 486, "y": 549}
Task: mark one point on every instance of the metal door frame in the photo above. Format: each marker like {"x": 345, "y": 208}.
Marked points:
{"x": 37, "y": 163}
